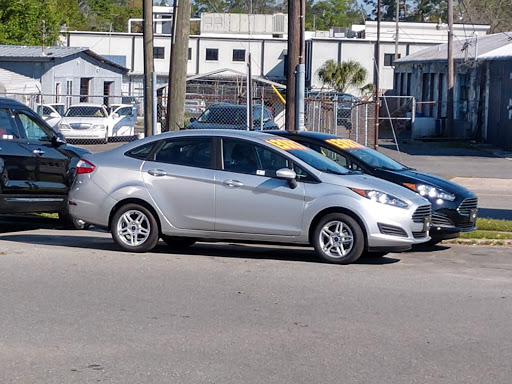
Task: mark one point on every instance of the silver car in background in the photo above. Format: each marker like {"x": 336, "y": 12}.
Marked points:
{"x": 243, "y": 186}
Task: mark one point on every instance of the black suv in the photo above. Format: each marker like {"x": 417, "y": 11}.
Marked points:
{"x": 37, "y": 167}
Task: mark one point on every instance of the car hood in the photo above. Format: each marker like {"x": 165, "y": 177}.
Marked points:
{"x": 81, "y": 120}
{"x": 413, "y": 176}
{"x": 367, "y": 182}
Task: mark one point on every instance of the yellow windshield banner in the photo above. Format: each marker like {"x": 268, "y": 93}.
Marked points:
{"x": 285, "y": 144}
{"x": 344, "y": 143}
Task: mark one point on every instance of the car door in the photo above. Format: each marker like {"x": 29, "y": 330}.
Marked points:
{"x": 17, "y": 165}
{"x": 248, "y": 196}
{"x": 180, "y": 179}
{"x": 52, "y": 173}
{"x": 123, "y": 120}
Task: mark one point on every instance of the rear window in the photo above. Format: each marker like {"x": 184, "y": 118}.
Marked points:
{"x": 141, "y": 152}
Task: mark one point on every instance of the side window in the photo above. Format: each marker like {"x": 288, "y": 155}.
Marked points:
{"x": 127, "y": 111}
{"x": 192, "y": 152}
{"x": 246, "y": 157}
{"x": 34, "y": 130}
{"x": 8, "y": 128}
{"x": 334, "y": 156}
{"x": 141, "y": 152}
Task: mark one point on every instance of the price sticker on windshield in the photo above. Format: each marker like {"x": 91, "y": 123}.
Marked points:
{"x": 285, "y": 144}
{"x": 344, "y": 143}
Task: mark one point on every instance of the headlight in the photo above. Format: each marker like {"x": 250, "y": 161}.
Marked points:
{"x": 64, "y": 126}
{"x": 101, "y": 127}
{"x": 381, "y": 197}
{"x": 430, "y": 192}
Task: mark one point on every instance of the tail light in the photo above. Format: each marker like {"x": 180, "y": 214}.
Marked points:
{"x": 84, "y": 166}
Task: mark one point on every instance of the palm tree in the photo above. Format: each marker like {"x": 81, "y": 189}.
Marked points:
{"x": 341, "y": 76}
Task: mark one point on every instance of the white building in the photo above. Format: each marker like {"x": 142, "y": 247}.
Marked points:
{"x": 226, "y": 39}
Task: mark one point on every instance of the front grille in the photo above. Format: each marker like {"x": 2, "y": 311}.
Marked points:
{"x": 421, "y": 213}
{"x": 467, "y": 205}
{"x": 391, "y": 230}
{"x": 419, "y": 235}
{"x": 442, "y": 221}
{"x": 80, "y": 126}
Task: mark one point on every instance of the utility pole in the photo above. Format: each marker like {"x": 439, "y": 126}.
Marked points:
{"x": 178, "y": 66}
{"x": 300, "y": 83}
{"x": 397, "y": 16}
{"x": 449, "y": 108}
{"x": 293, "y": 61}
{"x": 377, "y": 82}
{"x": 148, "y": 67}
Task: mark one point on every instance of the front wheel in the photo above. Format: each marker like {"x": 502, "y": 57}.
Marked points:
{"x": 338, "y": 239}
{"x": 134, "y": 228}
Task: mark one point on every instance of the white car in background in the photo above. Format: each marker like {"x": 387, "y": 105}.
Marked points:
{"x": 51, "y": 113}
{"x": 85, "y": 121}
{"x": 122, "y": 120}
{"x": 93, "y": 121}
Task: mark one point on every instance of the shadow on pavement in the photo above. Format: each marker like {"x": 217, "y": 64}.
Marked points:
{"x": 493, "y": 213}
{"x": 436, "y": 149}
{"x": 88, "y": 240}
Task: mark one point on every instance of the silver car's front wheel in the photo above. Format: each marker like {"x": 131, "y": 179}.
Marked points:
{"x": 338, "y": 238}
{"x": 134, "y": 228}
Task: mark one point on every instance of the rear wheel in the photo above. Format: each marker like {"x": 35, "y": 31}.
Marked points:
{"x": 338, "y": 239}
{"x": 176, "y": 242}
{"x": 134, "y": 228}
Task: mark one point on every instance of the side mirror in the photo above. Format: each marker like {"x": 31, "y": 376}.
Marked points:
{"x": 54, "y": 114}
{"x": 192, "y": 119}
{"x": 115, "y": 115}
{"x": 289, "y": 175}
{"x": 58, "y": 139}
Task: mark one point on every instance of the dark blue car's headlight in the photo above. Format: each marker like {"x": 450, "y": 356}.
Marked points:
{"x": 430, "y": 191}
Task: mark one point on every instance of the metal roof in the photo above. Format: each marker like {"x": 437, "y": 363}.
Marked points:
{"x": 36, "y": 53}
{"x": 486, "y": 47}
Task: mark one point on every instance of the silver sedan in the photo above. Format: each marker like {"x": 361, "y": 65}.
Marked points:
{"x": 245, "y": 186}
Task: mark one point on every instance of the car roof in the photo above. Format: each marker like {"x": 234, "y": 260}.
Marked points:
{"x": 309, "y": 134}
{"x": 10, "y": 102}
{"x": 87, "y": 105}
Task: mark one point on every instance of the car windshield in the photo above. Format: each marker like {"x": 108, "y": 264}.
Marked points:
{"x": 376, "y": 159}
{"x": 309, "y": 156}
{"x": 84, "y": 111}
{"x": 232, "y": 116}
{"x": 59, "y": 109}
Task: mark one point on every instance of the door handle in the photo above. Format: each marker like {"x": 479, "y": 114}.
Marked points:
{"x": 233, "y": 183}
{"x": 38, "y": 152}
{"x": 157, "y": 172}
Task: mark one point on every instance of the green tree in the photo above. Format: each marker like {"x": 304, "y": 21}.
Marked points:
{"x": 342, "y": 76}
{"x": 324, "y": 14}
{"x": 21, "y": 22}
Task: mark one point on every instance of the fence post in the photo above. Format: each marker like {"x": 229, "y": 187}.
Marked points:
{"x": 366, "y": 125}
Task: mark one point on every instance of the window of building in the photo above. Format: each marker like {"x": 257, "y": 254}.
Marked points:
{"x": 238, "y": 54}
{"x": 84, "y": 89}
{"x": 189, "y": 54}
{"x": 158, "y": 52}
{"x": 389, "y": 58}
{"x": 212, "y": 54}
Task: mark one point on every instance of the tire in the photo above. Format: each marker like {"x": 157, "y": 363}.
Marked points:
{"x": 176, "y": 242}
{"x": 338, "y": 239}
{"x": 134, "y": 228}
{"x": 69, "y": 222}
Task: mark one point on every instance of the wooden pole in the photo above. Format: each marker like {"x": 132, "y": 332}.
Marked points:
{"x": 148, "y": 67}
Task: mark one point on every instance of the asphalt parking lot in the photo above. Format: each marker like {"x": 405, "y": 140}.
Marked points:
{"x": 76, "y": 310}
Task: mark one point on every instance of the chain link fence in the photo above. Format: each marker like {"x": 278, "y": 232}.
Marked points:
{"x": 96, "y": 119}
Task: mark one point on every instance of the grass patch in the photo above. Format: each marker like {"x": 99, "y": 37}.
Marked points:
{"x": 492, "y": 235}
{"x": 485, "y": 224}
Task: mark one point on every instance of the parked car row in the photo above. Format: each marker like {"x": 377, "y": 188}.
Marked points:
{"x": 306, "y": 188}
{"x": 91, "y": 121}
